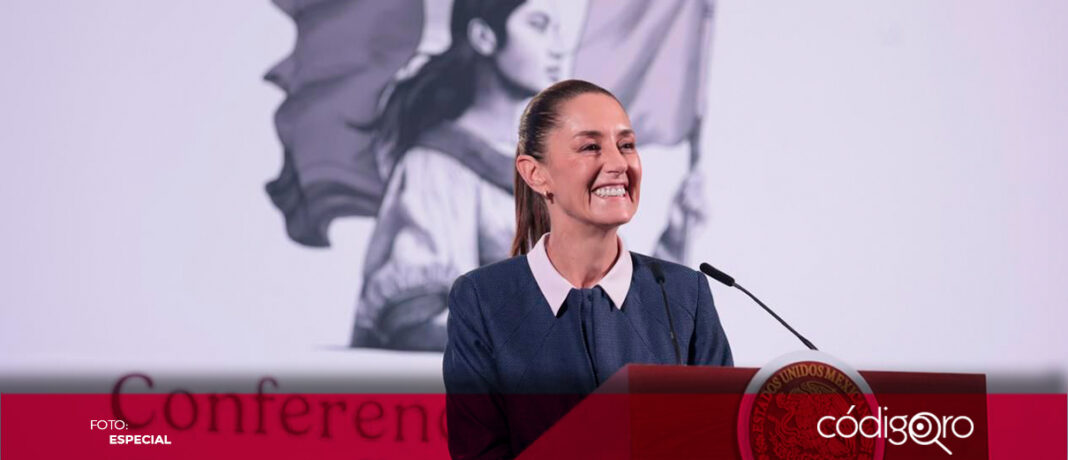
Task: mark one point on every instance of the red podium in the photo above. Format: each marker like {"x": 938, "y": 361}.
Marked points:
{"x": 647, "y": 411}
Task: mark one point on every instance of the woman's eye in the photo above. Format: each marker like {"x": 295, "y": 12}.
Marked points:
{"x": 590, "y": 147}
{"x": 627, "y": 146}
{"x": 539, "y": 21}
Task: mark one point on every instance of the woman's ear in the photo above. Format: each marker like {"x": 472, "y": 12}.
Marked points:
{"x": 481, "y": 37}
{"x": 533, "y": 173}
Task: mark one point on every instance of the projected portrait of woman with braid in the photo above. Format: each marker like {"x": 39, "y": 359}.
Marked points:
{"x": 435, "y": 151}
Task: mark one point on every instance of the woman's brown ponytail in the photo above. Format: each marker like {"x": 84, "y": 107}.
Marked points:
{"x": 540, "y": 116}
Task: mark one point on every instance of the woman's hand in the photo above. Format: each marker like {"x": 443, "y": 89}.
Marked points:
{"x": 690, "y": 198}
{"x": 689, "y": 209}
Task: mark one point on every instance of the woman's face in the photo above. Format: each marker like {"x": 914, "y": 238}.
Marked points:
{"x": 533, "y": 55}
{"x": 591, "y": 165}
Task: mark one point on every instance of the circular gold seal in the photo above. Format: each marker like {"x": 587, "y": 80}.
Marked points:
{"x": 792, "y": 406}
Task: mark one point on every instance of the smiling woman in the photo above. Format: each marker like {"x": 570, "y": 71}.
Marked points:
{"x": 529, "y": 336}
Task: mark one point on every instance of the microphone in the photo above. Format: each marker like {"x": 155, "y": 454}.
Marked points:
{"x": 726, "y": 279}
{"x": 658, "y": 274}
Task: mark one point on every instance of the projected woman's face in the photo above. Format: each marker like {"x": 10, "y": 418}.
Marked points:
{"x": 533, "y": 55}
{"x": 591, "y": 163}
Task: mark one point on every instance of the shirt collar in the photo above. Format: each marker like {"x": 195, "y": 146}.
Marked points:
{"x": 555, "y": 288}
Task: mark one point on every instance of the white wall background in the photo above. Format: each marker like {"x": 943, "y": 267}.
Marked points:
{"x": 890, "y": 177}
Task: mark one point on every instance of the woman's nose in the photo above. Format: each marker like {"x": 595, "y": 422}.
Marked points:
{"x": 614, "y": 162}
{"x": 557, "y": 42}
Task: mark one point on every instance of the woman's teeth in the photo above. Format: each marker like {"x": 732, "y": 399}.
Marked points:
{"x": 609, "y": 191}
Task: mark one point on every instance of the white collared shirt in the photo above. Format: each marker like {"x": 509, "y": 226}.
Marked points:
{"x": 555, "y": 287}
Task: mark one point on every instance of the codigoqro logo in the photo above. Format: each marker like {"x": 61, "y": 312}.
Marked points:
{"x": 923, "y": 428}
{"x": 786, "y": 401}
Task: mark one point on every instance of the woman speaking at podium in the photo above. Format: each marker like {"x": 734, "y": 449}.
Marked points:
{"x": 529, "y": 336}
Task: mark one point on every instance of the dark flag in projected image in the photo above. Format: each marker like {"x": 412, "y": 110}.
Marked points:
{"x": 345, "y": 54}
{"x": 385, "y": 117}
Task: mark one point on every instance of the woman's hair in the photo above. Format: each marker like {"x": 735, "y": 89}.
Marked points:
{"x": 538, "y": 119}
{"x": 443, "y": 88}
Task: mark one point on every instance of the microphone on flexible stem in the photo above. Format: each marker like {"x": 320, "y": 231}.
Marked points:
{"x": 724, "y": 278}
{"x": 658, "y": 274}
